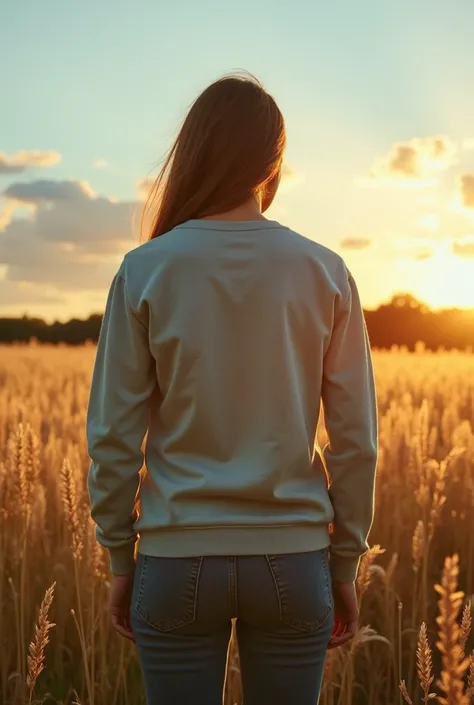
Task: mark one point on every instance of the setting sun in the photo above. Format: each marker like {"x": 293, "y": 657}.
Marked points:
{"x": 446, "y": 280}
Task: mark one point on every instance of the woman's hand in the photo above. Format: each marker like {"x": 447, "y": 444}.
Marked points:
{"x": 120, "y": 599}
{"x": 346, "y": 613}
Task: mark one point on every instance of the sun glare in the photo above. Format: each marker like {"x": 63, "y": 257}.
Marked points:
{"x": 446, "y": 281}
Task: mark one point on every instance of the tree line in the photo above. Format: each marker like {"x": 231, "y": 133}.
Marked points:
{"x": 403, "y": 321}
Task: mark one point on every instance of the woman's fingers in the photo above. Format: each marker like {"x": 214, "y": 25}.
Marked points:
{"x": 122, "y": 627}
{"x": 344, "y": 632}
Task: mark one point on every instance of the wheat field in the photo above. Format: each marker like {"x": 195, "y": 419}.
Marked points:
{"x": 414, "y": 585}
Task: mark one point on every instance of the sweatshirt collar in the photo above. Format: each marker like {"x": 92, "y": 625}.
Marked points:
{"x": 231, "y": 225}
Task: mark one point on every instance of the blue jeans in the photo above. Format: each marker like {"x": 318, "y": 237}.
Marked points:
{"x": 181, "y": 617}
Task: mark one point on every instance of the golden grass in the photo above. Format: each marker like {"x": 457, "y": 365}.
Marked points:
{"x": 37, "y": 648}
{"x": 425, "y": 504}
{"x": 470, "y": 679}
{"x": 449, "y": 644}
{"x": 424, "y": 663}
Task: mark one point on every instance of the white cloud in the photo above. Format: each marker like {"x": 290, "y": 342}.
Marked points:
{"x": 464, "y": 247}
{"x": 20, "y": 161}
{"x": 144, "y": 187}
{"x": 290, "y": 177}
{"x": 73, "y": 240}
{"x": 100, "y": 163}
{"x": 6, "y": 211}
{"x": 45, "y": 190}
{"x": 414, "y": 163}
{"x": 356, "y": 243}
{"x": 91, "y": 224}
{"x": 468, "y": 144}
{"x": 466, "y": 190}
{"x": 287, "y": 172}
{"x": 462, "y": 203}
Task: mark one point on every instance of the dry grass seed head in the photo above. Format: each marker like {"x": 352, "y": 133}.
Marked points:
{"x": 454, "y": 665}
{"x": 438, "y": 500}
{"x": 418, "y": 545}
{"x": 71, "y": 509}
{"x": 470, "y": 678}
{"x": 365, "y": 569}
{"x": 40, "y": 641}
{"x": 365, "y": 635}
{"x": 424, "y": 662}
{"x": 466, "y": 624}
{"x": 404, "y": 692}
{"x": 423, "y": 429}
{"x": 95, "y": 552}
{"x": 32, "y": 459}
{"x": 16, "y": 454}
{"x": 422, "y": 495}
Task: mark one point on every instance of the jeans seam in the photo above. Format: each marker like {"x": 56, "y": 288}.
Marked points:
{"x": 196, "y": 587}
{"x": 276, "y": 586}
{"x": 322, "y": 622}
{"x": 328, "y": 582}
{"x": 142, "y": 579}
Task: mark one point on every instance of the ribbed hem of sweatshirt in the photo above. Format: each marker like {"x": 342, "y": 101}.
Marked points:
{"x": 233, "y": 541}
{"x": 122, "y": 559}
{"x": 343, "y": 569}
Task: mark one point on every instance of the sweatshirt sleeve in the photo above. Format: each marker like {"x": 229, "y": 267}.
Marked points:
{"x": 123, "y": 380}
{"x": 350, "y": 413}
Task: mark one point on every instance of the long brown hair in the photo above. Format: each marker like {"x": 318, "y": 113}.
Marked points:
{"x": 229, "y": 148}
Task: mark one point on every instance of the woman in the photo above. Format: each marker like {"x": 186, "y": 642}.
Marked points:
{"x": 221, "y": 337}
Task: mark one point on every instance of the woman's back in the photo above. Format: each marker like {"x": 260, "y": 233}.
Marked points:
{"x": 222, "y": 336}
{"x": 238, "y": 319}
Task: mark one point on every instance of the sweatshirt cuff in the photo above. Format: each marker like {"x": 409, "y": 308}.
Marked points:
{"x": 122, "y": 559}
{"x": 343, "y": 570}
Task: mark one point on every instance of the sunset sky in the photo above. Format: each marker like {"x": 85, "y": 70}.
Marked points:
{"x": 379, "y": 106}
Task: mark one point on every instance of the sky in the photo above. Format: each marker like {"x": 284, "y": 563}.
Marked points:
{"x": 378, "y": 105}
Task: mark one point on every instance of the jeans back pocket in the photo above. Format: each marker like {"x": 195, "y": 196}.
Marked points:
{"x": 303, "y": 585}
{"x": 165, "y": 591}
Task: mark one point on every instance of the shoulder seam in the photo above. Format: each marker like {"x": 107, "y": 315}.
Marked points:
{"x": 121, "y": 275}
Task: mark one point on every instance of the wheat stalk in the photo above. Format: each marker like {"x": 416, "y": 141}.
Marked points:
{"x": 449, "y": 644}
{"x": 404, "y": 692}
{"x": 423, "y": 428}
{"x": 95, "y": 551}
{"x": 40, "y": 641}
{"x": 31, "y": 459}
{"x": 71, "y": 509}
{"x": 46, "y": 390}
{"x": 424, "y": 663}
{"x": 439, "y": 494}
{"x": 438, "y": 500}
{"x": 17, "y": 466}
{"x": 364, "y": 576}
{"x": 470, "y": 679}
{"x": 466, "y": 624}
{"x": 422, "y": 495}
{"x": 418, "y": 545}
